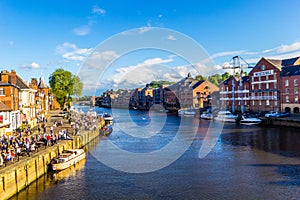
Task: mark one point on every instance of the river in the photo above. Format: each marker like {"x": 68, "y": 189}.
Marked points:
{"x": 247, "y": 162}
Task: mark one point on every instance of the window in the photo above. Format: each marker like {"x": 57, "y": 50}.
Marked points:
{"x": 275, "y": 103}
{"x": 286, "y": 90}
{"x": 275, "y": 85}
{"x": 245, "y": 87}
{"x": 286, "y": 82}
{"x": 287, "y": 99}
{"x": 226, "y": 88}
{"x": 295, "y": 82}
{"x": 295, "y": 90}
{"x": 252, "y": 78}
{"x": 1, "y": 91}
{"x": 259, "y": 86}
{"x": 252, "y": 87}
{"x": 263, "y": 67}
{"x": 267, "y": 102}
{"x": 260, "y": 102}
{"x": 267, "y": 77}
{"x": 267, "y": 85}
{"x": 296, "y": 99}
{"x": 253, "y": 103}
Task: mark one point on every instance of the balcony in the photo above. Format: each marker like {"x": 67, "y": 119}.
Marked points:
{"x": 267, "y": 81}
{"x": 236, "y": 91}
{"x": 264, "y": 98}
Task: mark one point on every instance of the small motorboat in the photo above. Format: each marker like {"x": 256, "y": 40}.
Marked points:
{"x": 187, "y": 112}
{"x": 248, "y": 120}
{"x": 107, "y": 117}
{"x": 226, "y": 116}
{"x": 67, "y": 158}
{"x": 207, "y": 116}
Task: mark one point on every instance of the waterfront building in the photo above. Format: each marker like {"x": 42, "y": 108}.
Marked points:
{"x": 272, "y": 85}
{"x": 123, "y": 99}
{"x": 189, "y": 93}
{"x": 234, "y": 94}
{"x": 290, "y": 88}
{"x": 5, "y": 113}
{"x": 145, "y": 98}
{"x": 42, "y": 100}
{"x": 9, "y": 95}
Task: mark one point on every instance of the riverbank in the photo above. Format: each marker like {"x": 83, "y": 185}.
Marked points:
{"x": 19, "y": 175}
{"x": 292, "y": 121}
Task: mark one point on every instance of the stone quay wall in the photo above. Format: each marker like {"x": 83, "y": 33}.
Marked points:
{"x": 19, "y": 175}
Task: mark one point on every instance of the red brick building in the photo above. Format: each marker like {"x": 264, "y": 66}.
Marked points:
{"x": 290, "y": 88}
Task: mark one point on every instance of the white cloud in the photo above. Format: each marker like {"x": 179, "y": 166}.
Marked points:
{"x": 144, "y": 29}
{"x": 97, "y": 10}
{"x": 71, "y": 52}
{"x": 172, "y": 37}
{"x": 32, "y": 65}
{"x": 82, "y": 30}
{"x": 227, "y": 53}
{"x": 288, "y": 48}
{"x": 142, "y": 73}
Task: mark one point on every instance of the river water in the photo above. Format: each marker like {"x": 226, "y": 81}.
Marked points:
{"x": 247, "y": 162}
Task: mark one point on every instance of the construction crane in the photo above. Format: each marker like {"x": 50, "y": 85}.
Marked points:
{"x": 237, "y": 63}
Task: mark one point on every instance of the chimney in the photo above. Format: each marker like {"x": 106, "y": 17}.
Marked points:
{"x": 4, "y": 76}
{"x": 13, "y": 77}
{"x": 34, "y": 82}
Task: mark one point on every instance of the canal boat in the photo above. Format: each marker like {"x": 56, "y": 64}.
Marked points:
{"x": 248, "y": 120}
{"x": 226, "y": 116}
{"x": 67, "y": 158}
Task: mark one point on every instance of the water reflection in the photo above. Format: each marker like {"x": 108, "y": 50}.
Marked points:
{"x": 278, "y": 140}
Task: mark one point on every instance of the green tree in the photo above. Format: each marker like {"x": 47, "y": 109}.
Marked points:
{"x": 63, "y": 85}
{"x": 215, "y": 79}
{"x": 200, "y": 78}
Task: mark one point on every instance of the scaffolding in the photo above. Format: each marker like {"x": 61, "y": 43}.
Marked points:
{"x": 237, "y": 63}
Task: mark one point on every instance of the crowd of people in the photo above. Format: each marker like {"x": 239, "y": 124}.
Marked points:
{"x": 24, "y": 143}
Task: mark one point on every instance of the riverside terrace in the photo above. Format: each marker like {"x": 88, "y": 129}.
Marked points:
{"x": 54, "y": 129}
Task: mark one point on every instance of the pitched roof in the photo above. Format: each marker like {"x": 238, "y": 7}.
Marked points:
{"x": 21, "y": 84}
{"x": 290, "y": 61}
{"x": 290, "y": 70}
{"x": 276, "y": 63}
{"x": 4, "y": 107}
{"x": 42, "y": 83}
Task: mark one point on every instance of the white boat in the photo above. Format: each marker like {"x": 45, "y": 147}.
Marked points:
{"x": 107, "y": 117}
{"x": 208, "y": 116}
{"x": 226, "y": 116}
{"x": 248, "y": 120}
{"x": 67, "y": 158}
{"x": 187, "y": 112}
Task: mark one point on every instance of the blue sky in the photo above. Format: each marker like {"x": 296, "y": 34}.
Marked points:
{"x": 36, "y": 37}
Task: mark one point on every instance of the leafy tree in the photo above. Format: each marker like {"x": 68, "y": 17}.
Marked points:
{"x": 63, "y": 85}
{"x": 225, "y": 76}
{"x": 200, "y": 78}
{"x": 215, "y": 79}
{"x": 156, "y": 84}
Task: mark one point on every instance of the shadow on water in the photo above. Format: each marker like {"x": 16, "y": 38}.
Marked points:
{"x": 284, "y": 141}
{"x": 291, "y": 172}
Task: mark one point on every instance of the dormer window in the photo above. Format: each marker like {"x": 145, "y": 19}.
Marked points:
{"x": 263, "y": 67}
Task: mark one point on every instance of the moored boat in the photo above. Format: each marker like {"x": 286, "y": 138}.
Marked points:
{"x": 187, "y": 112}
{"x": 226, "y": 116}
{"x": 106, "y": 130}
{"x": 248, "y": 120}
{"x": 207, "y": 116}
{"x": 67, "y": 158}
